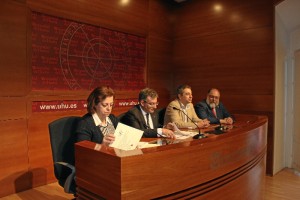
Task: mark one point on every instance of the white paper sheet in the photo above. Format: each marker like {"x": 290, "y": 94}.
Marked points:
{"x": 126, "y": 137}
{"x": 183, "y": 134}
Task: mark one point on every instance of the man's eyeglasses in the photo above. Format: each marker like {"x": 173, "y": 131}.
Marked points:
{"x": 152, "y": 104}
{"x": 213, "y": 97}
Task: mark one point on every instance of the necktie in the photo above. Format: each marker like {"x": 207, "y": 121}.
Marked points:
{"x": 147, "y": 118}
{"x": 214, "y": 112}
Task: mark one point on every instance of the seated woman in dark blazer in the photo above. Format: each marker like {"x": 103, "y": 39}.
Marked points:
{"x": 98, "y": 125}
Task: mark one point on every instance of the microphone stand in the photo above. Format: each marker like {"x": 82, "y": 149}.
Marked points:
{"x": 199, "y": 135}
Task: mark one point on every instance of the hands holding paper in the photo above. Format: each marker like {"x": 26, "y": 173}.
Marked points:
{"x": 108, "y": 139}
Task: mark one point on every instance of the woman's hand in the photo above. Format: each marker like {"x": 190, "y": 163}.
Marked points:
{"x": 108, "y": 139}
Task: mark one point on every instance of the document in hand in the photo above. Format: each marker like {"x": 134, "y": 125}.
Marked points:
{"x": 126, "y": 137}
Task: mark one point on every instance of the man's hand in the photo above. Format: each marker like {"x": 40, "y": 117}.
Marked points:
{"x": 168, "y": 133}
{"x": 227, "y": 120}
{"x": 203, "y": 123}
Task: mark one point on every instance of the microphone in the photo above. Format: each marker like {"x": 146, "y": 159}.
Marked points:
{"x": 199, "y": 135}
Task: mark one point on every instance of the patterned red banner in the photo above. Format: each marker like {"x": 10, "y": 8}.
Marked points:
{"x": 68, "y": 55}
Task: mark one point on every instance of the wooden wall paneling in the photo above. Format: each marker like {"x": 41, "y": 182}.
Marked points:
{"x": 232, "y": 49}
{"x": 253, "y": 103}
{"x": 159, "y": 52}
{"x": 13, "y": 73}
{"x": 112, "y": 14}
{"x": 12, "y": 108}
{"x": 161, "y": 19}
{"x": 204, "y": 18}
{"x": 14, "y": 175}
{"x": 232, "y": 65}
{"x": 159, "y": 71}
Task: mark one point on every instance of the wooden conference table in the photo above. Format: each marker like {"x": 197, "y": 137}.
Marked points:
{"x": 222, "y": 166}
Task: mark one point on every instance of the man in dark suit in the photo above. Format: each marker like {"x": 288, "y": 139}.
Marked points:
{"x": 212, "y": 109}
{"x": 144, "y": 117}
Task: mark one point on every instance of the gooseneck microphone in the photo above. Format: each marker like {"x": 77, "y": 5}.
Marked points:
{"x": 199, "y": 135}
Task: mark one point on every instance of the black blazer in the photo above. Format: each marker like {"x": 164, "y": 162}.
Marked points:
{"x": 87, "y": 130}
{"x": 204, "y": 111}
{"x": 134, "y": 118}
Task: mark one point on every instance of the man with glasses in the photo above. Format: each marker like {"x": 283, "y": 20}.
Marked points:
{"x": 144, "y": 116}
{"x": 212, "y": 109}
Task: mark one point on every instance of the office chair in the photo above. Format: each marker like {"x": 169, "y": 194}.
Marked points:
{"x": 120, "y": 117}
{"x": 62, "y": 138}
{"x": 161, "y": 115}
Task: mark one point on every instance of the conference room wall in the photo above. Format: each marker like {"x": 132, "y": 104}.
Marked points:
{"x": 14, "y": 174}
{"x": 230, "y": 47}
{"x": 203, "y": 50}
{"x": 25, "y": 158}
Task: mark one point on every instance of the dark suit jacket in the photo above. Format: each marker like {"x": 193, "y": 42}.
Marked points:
{"x": 204, "y": 111}
{"x": 87, "y": 130}
{"x": 134, "y": 118}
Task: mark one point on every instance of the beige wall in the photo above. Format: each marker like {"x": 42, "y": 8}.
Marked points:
{"x": 296, "y": 130}
{"x": 281, "y": 50}
{"x": 287, "y": 123}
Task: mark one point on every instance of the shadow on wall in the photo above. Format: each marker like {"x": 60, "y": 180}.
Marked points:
{"x": 21, "y": 181}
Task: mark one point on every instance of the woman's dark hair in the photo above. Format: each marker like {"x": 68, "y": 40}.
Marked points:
{"x": 98, "y": 95}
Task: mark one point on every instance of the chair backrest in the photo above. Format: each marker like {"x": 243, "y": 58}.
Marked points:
{"x": 62, "y": 138}
{"x": 161, "y": 115}
{"x": 120, "y": 117}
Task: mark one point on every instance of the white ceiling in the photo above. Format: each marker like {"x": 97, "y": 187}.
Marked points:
{"x": 289, "y": 12}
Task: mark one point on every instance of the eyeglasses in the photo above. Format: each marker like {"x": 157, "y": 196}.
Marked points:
{"x": 213, "y": 97}
{"x": 152, "y": 104}
{"x": 105, "y": 105}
